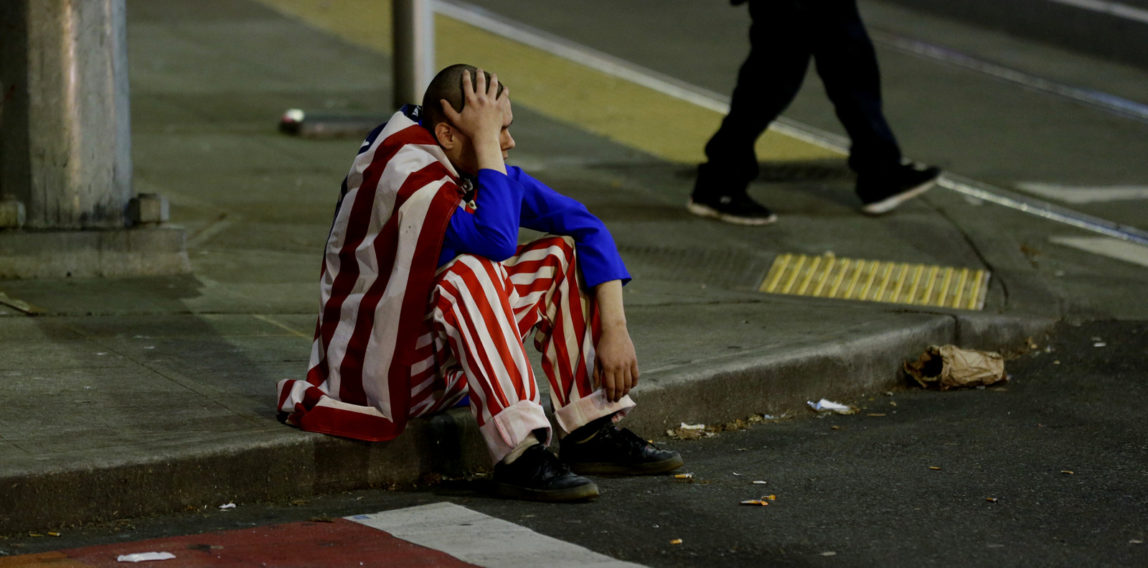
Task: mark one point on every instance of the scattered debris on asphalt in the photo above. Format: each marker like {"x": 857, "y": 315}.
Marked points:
{"x": 144, "y": 556}
{"x": 740, "y": 423}
{"x": 226, "y": 506}
{"x": 689, "y": 432}
{"x": 676, "y": 541}
{"x": 826, "y": 405}
{"x": 763, "y": 501}
{"x": 695, "y": 431}
{"x": 949, "y": 366}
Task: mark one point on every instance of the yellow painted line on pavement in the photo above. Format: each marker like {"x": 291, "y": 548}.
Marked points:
{"x": 281, "y": 325}
{"x": 881, "y": 281}
{"x": 18, "y": 304}
{"x": 564, "y": 90}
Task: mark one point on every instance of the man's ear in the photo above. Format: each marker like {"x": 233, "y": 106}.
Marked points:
{"x": 444, "y": 133}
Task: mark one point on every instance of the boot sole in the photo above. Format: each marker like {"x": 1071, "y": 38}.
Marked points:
{"x": 894, "y": 201}
{"x": 609, "y": 468}
{"x": 711, "y": 213}
{"x": 583, "y": 492}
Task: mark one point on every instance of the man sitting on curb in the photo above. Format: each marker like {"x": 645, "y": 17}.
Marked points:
{"x": 427, "y": 298}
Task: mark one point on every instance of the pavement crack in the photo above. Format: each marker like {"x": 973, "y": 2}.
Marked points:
{"x": 975, "y": 249}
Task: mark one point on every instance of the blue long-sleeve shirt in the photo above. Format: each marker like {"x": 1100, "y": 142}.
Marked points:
{"x": 506, "y": 202}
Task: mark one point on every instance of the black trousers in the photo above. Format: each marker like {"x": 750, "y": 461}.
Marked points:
{"x": 784, "y": 36}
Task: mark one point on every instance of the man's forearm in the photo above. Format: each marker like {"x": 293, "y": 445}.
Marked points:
{"x": 610, "y": 309}
{"x": 488, "y": 155}
{"x": 616, "y": 369}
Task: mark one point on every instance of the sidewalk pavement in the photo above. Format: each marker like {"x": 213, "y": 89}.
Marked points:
{"x": 133, "y": 396}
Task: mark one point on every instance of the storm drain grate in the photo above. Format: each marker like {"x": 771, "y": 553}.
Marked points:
{"x": 827, "y": 276}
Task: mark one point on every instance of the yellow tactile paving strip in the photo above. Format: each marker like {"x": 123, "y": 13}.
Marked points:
{"x": 827, "y": 276}
{"x": 617, "y": 109}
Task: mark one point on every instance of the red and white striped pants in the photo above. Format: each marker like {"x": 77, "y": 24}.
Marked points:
{"x": 482, "y": 311}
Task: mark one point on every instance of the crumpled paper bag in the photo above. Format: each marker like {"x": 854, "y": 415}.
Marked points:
{"x": 949, "y": 366}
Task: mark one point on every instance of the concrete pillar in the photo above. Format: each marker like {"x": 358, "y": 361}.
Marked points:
{"x": 413, "y": 67}
{"x": 65, "y": 143}
{"x": 66, "y": 198}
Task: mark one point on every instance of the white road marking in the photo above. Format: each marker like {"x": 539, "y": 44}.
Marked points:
{"x": 1043, "y": 209}
{"x": 479, "y": 539}
{"x": 1098, "y": 99}
{"x": 1086, "y": 194}
{"x": 1112, "y": 248}
{"x": 1111, "y": 8}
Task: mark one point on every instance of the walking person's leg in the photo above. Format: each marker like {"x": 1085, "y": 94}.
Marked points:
{"x": 847, "y": 64}
{"x": 767, "y": 82}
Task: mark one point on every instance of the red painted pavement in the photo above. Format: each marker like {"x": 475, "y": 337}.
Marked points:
{"x": 305, "y": 545}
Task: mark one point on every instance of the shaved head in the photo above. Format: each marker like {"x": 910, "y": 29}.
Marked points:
{"x": 448, "y": 85}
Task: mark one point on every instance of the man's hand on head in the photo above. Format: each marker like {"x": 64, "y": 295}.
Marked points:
{"x": 482, "y": 117}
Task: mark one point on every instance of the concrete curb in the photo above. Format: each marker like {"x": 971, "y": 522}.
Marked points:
{"x": 144, "y": 251}
{"x": 284, "y": 465}
{"x": 293, "y": 464}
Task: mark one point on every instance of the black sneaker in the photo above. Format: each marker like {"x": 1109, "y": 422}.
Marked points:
{"x": 538, "y": 475}
{"x": 614, "y": 451}
{"x": 738, "y": 209}
{"x": 884, "y": 192}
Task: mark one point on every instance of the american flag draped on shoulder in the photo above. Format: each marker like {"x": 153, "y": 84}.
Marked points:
{"x": 378, "y": 268}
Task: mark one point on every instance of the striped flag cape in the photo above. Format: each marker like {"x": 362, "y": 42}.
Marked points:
{"x": 378, "y": 268}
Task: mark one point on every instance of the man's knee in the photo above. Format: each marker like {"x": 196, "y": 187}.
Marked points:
{"x": 561, "y": 246}
{"x": 469, "y": 276}
{"x": 468, "y": 264}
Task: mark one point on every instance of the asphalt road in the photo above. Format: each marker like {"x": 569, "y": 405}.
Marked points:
{"x": 1050, "y": 469}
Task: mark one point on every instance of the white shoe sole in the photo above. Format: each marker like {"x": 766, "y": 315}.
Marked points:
{"x": 893, "y": 201}
{"x": 584, "y": 492}
{"x": 709, "y": 212}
